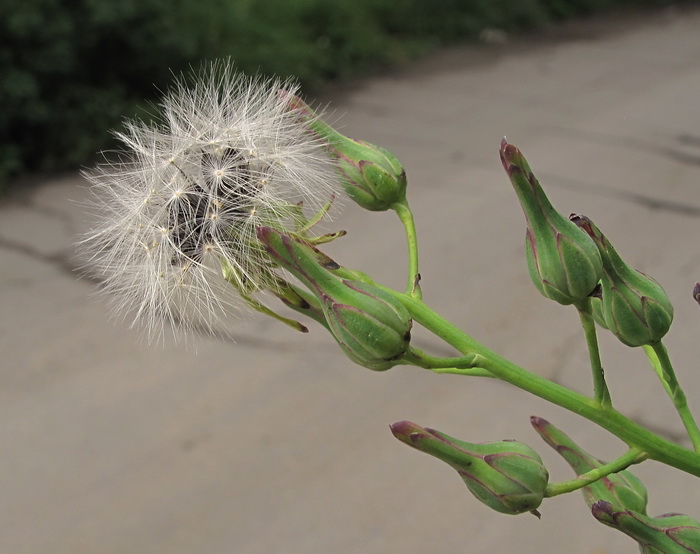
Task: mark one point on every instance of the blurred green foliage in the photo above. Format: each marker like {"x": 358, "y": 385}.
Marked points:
{"x": 70, "y": 69}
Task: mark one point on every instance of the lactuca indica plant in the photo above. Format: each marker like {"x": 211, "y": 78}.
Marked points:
{"x": 218, "y": 203}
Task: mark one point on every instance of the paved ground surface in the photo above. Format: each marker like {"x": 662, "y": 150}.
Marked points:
{"x": 277, "y": 443}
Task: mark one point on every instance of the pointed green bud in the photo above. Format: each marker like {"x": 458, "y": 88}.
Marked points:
{"x": 371, "y": 326}
{"x": 507, "y": 476}
{"x": 635, "y": 307}
{"x": 563, "y": 262}
{"x": 623, "y": 490}
{"x": 665, "y": 534}
{"x": 372, "y": 176}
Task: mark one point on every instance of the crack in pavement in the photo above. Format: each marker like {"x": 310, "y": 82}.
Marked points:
{"x": 563, "y": 354}
{"x": 63, "y": 263}
{"x": 30, "y": 203}
{"x": 60, "y": 260}
{"x": 679, "y": 437}
{"x": 635, "y": 144}
{"x": 650, "y": 202}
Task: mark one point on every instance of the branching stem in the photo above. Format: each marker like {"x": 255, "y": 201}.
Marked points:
{"x": 630, "y": 432}
{"x": 632, "y": 456}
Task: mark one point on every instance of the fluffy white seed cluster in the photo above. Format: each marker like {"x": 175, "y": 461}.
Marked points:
{"x": 185, "y": 196}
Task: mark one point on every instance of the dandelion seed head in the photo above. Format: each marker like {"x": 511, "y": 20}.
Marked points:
{"x": 185, "y": 196}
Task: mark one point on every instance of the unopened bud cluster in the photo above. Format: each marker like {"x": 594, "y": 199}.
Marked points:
{"x": 570, "y": 261}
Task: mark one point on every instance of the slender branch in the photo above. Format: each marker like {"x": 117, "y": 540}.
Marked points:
{"x": 468, "y": 372}
{"x": 406, "y": 216}
{"x": 656, "y": 364}
{"x": 658, "y": 356}
{"x": 632, "y": 456}
{"x": 463, "y": 365}
{"x": 600, "y": 388}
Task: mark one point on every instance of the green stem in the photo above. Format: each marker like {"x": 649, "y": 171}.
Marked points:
{"x": 658, "y": 356}
{"x": 406, "y": 216}
{"x": 656, "y": 364}
{"x": 600, "y": 388}
{"x": 633, "y": 434}
{"x": 632, "y": 456}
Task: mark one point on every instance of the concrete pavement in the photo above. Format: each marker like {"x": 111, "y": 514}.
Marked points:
{"x": 278, "y": 444}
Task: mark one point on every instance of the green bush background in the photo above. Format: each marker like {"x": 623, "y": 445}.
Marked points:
{"x": 71, "y": 69}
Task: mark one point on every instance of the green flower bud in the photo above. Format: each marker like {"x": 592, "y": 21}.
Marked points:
{"x": 507, "y": 476}
{"x": 371, "y": 326}
{"x": 563, "y": 262}
{"x": 372, "y": 176}
{"x": 635, "y": 307}
{"x": 623, "y": 490}
{"x": 665, "y": 534}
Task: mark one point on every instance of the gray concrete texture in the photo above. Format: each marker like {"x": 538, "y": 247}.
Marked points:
{"x": 277, "y": 443}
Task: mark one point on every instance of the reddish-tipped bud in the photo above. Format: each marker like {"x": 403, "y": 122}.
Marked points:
{"x": 370, "y": 325}
{"x": 665, "y": 534}
{"x": 563, "y": 261}
{"x": 507, "y": 476}
{"x": 634, "y": 306}
{"x": 372, "y": 176}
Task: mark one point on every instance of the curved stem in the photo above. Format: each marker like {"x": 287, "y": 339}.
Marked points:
{"x": 656, "y": 364}
{"x": 632, "y": 456}
{"x": 633, "y": 434}
{"x": 658, "y": 356}
{"x": 406, "y": 216}
{"x": 600, "y": 388}
{"x": 463, "y": 365}
{"x": 468, "y": 372}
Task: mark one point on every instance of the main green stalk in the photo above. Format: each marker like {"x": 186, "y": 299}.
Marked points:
{"x": 633, "y": 434}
